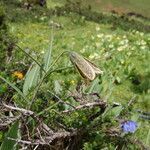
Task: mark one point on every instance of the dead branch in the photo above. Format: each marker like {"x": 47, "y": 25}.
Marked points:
{"x": 47, "y": 140}
{"x": 60, "y": 100}
{"x": 22, "y": 110}
{"x": 26, "y": 112}
{"x": 86, "y": 106}
{"x": 28, "y": 142}
{"x": 7, "y": 121}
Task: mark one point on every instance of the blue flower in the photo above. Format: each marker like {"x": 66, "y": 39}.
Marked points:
{"x": 129, "y": 126}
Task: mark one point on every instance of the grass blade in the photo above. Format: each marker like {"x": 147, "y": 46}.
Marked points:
{"x": 57, "y": 87}
{"x": 31, "y": 57}
{"x": 31, "y": 79}
{"x": 148, "y": 138}
{"x": 47, "y": 56}
{"x": 15, "y": 88}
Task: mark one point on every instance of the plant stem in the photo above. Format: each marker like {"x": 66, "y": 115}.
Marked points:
{"x": 44, "y": 76}
{"x": 31, "y": 58}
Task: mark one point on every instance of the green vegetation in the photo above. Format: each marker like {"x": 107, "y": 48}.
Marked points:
{"x": 121, "y": 6}
{"x": 40, "y": 87}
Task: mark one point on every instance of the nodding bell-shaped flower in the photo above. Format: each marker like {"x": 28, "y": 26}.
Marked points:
{"x": 86, "y": 68}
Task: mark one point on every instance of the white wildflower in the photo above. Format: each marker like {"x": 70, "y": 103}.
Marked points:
{"x": 97, "y": 28}
{"x": 109, "y": 37}
{"x": 118, "y": 38}
{"x": 92, "y": 37}
{"x": 124, "y": 36}
{"x": 121, "y": 48}
{"x": 94, "y": 55}
{"x": 111, "y": 46}
{"x": 100, "y": 35}
{"x": 143, "y": 42}
{"x": 42, "y": 52}
{"x": 141, "y": 34}
{"x": 82, "y": 50}
{"x": 143, "y": 47}
{"x": 129, "y": 53}
{"x": 98, "y": 44}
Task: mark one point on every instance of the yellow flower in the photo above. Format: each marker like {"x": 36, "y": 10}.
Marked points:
{"x": 72, "y": 82}
{"x": 18, "y": 74}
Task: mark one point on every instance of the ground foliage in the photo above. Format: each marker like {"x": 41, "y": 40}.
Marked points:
{"x": 45, "y": 104}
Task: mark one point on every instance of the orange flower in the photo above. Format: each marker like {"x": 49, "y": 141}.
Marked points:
{"x": 18, "y": 74}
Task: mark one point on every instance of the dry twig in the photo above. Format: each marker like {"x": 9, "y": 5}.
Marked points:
{"x": 87, "y": 106}
{"x": 47, "y": 140}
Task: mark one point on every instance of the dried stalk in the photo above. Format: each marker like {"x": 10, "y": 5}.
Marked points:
{"x": 86, "y": 106}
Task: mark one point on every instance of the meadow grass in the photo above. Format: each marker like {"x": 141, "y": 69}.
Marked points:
{"x": 121, "y": 6}
{"x": 85, "y": 39}
{"x": 122, "y": 55}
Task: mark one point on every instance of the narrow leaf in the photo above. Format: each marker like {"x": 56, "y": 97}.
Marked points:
{"x": 114, "y": 112}
{"x": 9, "y": 144}
{"x": 148, "y": 138}
{"x": 95, "y": 87}
{"x": 47, "y": 56}
{"x": 31, "y": 78}
{"x": 14, "y": 87}
{"x": 57, "y": 87}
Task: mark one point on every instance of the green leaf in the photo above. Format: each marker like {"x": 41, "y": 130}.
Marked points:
{"x": 115, "y": 111}
{"x": 15, "y": 88}
{"x": 9, "y": 144}
{"x": 47, "y": 56}
{"x": 118, "y": 80}
{"x": 148, "y": 138}
{"x": 31, "y": 78}
{"x": 95, "y": 87}
{"x": 135, "y": 117}
{"x": 57, "y": 87}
